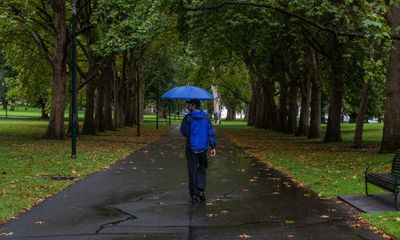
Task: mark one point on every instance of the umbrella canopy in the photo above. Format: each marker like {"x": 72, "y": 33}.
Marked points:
{"x": 187, "y": 92}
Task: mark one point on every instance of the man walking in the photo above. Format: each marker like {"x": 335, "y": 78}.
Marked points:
{"x": 197, "y": 128}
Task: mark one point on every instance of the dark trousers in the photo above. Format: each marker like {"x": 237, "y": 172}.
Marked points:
{"x": 197, "y": 166}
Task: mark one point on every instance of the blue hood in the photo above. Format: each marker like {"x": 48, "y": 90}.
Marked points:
{"x": 197, "y": 127}
{"x": 197, "y": 114}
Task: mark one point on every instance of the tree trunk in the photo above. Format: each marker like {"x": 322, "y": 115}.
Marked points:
{"x": 140, "y": 90}
{"x": 246, "y": 108}
{"x": 260, "y": 120}
{"x": 303, "y": 126}
{"x": 56, "y": 128}
{"x": 315, "y": 115}
{"x": 117, "y": 95}
{"x": 267, "y": 112}
{"x": 99, "y": 117}
{"x": 135, "y": 109}
{"x": 108, "y": 79}
{"x": 283, "y": 97}
{"x": 216, "y": 104}
{"x": 162, "y": 113}
{"x": 333, "y": 132}
{"x": 352, "y": 117}
{"x": 85, "y": 14}
{"x": 272, "y": 110}
{"x": 391, "y": 127}
{"x": 44, "y": 114}
{"x": 123, "y": 88}
{"x": 89, "y": 125}
{"x": 293, "y": 92}
{"x": 252, "y": 112}
{"x": 357, "y": 142}
{"x": 129, "y": 120}
{"x": 231, "y": 115}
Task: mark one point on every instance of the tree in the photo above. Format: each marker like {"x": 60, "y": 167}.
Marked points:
{"x": 391, "y": 128}
{"x": 129, "y": 28}
{"x": 44, "y": 24}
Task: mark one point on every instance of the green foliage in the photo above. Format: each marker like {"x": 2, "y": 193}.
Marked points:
{"x": 128, "y": 24}
{"x": 31, "y": 82}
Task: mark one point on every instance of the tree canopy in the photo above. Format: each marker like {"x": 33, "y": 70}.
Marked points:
{"x": 287, "y": 64}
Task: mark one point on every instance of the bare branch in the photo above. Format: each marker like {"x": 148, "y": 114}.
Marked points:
{"x": 84, "y": 48}
{"x": 41, "y": 45}
{"x": 88, "y": 80}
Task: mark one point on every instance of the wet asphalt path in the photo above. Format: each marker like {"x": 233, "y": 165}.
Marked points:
{"x": 145, "y": 196}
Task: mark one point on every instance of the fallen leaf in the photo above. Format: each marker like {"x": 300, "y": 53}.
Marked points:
{"x": 245, "y": 236}
{"x": 210, "y": 215}
{"x": 356, "y": 225}
{"x": 7, "y": 234}
{"x": 324, "y": 216}
{"x": 274, "y": 178}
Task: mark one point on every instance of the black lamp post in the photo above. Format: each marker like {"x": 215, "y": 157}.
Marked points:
{"x": 157, "y": 101}
{"x": 74, "y": 81}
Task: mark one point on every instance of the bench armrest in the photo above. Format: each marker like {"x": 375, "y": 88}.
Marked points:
{"x": 397, "y": 181}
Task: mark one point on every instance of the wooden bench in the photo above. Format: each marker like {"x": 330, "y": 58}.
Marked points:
{"x": 388, "y": 181}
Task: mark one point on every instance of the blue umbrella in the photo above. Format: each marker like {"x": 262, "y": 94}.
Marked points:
{"x": 187, "y": 92}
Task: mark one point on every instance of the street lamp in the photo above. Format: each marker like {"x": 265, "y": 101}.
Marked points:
{"x": 157, "y": 101}
{"x": 74, "y": 81}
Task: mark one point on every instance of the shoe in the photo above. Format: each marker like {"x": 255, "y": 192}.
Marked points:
{"x": 194, "y": 200}
{"x": 201, "y": 196}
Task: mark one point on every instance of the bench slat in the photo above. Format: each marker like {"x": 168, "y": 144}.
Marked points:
{"x": 396, "y": 164}
{"x": 383, "y": 180}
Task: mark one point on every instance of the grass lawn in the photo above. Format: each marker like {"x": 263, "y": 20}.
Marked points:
{"x": 329, "y": 169}
{"x": 29, "y": 112}
{"x": 26, "y": 159}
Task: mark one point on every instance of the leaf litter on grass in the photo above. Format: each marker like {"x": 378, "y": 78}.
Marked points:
{"x": 25, "y": 160}
{"x": 329, "y": 169}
